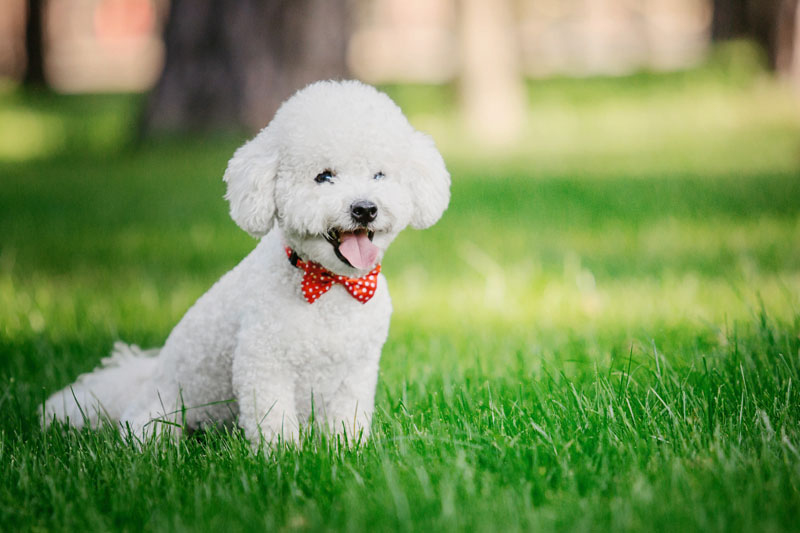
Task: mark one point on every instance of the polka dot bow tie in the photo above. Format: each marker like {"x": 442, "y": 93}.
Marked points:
{"x": 317, "y": 280}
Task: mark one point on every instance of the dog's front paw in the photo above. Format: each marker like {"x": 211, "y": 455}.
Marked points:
{"x": 265, "y": 436}
{"x": 352, "y": 431}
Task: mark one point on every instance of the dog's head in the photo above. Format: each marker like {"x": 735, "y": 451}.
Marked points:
{"x": 342, "y": 172}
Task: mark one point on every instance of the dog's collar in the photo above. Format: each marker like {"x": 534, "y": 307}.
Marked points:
{"x": 317, "y": 280}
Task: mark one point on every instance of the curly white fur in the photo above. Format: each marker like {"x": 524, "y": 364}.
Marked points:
{"x": 252, "y": 347}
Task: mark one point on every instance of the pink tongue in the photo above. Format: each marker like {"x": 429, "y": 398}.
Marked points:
{"x": 357, "y": 248}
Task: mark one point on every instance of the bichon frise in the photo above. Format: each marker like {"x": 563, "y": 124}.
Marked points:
{"x": 298, "y": 326}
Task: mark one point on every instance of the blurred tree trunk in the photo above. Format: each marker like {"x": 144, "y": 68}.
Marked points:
{"x": 34, "y": 46}
{"x": 490, "y": 82}
{"x": 786, "y": 39}
{"x": 771, "y": 23}
{"x": 230, "y": 63}
{"x": 729, "y": 19}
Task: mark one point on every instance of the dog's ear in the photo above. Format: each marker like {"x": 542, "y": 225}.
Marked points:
{"x": 251, "y": 177}
{"x": 430, "y": 182}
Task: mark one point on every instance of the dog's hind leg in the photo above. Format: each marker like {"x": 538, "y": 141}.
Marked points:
{"x": 151, "y": 417}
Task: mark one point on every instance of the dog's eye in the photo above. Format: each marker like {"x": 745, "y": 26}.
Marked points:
{"x": 324, "y": 177}
{"x": 379, "y": 176}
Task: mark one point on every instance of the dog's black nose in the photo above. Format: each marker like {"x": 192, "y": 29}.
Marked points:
{"x": 363, "y": 211}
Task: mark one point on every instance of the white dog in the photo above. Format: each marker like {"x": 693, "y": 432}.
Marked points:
{"x": 298, "y": 326}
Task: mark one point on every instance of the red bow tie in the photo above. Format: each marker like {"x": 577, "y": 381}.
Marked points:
{"x": 317, "y": 280}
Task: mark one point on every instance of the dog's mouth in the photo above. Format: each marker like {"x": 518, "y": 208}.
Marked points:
{"x": 354, "y": 248}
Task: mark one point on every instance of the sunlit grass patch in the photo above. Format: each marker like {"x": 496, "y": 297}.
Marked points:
{"x": 26, "y": 134}
{"x": 40, "y": 125}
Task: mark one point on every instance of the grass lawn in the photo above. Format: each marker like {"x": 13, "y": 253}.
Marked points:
{"x": 601, "y": 334}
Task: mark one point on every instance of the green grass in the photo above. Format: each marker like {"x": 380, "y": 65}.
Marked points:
{"x": 601, "y": 333}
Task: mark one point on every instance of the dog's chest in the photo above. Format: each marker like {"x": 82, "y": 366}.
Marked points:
{"x": 318, "y": 343}
{"x": 336, "y": 329}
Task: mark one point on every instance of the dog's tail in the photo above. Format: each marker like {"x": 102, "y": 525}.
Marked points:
{"x": 106, "y": 392}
